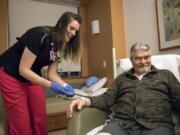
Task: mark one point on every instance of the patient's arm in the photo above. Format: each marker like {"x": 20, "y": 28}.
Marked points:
{"x": 77, "y": 104}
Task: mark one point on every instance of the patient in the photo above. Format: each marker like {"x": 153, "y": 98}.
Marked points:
{"x": 141, "y": 100}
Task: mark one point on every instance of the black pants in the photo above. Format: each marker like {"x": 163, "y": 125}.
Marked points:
{"x": 115, "y": 129}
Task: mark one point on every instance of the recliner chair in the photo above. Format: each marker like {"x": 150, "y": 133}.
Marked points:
{"x": 89, "y": 118}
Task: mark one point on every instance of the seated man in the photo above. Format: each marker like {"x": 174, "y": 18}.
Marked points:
{"x": 141, "y": 100}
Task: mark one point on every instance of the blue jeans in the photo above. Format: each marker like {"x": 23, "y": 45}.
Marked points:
{"x": 115, "y": 129}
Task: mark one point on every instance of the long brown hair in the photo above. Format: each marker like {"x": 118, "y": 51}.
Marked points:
{"x": 71, "y": 49}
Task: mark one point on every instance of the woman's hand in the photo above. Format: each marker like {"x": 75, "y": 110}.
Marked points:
{"x": 65, "y": 90}
{"x": 69, "y": 88}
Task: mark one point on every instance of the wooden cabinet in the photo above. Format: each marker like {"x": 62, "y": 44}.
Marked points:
{"x": 56, "y": 108}
{"x": 99, "y": 49}
{"x": 75, "y": 80}
{"x": 56, "y": 113}
{"x": 57, "y": 121}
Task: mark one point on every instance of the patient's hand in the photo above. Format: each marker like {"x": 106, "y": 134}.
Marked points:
{"x": 77, "y": 104}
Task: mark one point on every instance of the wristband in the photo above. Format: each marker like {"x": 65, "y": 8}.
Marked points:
{"x": 87, "y": 101}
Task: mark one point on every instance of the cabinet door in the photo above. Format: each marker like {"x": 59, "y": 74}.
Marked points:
{"x": 57, "y": 121}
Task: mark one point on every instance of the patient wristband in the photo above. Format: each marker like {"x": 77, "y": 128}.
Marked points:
{"x": 87, "y": 101}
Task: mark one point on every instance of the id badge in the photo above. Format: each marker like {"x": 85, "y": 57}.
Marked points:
{"x": 52, "y": 53}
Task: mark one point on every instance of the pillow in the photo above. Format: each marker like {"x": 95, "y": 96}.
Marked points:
{"x": 170, "y": 62}
{"x": 91, "y": 80}
{"x": 98, "y": 92}
{"x": 123, "y": 65}
{"x": 97, "y": 85}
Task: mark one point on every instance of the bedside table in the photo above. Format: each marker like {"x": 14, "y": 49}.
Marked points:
{"x": 56, "y": 113}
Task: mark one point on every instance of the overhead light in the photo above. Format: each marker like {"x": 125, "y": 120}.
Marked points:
{"x": 73, "y": 3}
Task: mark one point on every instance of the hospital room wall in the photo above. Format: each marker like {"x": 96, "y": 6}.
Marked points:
{"x": 140, "y": 19}
{"x": 137, "y": 22}
{"x": 99, "y": 46}
{"x": 25, "y": 14}
{"x": 4, "y": 25}
{"x": 83, "y": 42}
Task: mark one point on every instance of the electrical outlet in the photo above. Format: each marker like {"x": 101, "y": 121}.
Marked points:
{"x": 104, "y": 64}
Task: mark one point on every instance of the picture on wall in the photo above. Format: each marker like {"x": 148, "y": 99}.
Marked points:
{"x": 168, "y": 17}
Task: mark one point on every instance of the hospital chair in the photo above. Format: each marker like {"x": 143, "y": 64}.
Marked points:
{"x": 89, "y": 118}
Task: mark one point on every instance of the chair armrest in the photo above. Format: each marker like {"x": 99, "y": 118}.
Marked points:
{"x": 2, "y": 128}
{"x": 85, "y": 120}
